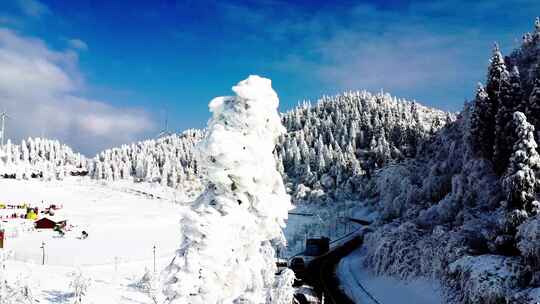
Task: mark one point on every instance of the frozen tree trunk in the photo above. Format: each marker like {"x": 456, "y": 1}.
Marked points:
{"x": 226, "y": 253}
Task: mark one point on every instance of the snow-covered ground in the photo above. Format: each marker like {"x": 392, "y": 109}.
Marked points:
{"x": 123, "y": 226}
{"x": 356, "y": 280}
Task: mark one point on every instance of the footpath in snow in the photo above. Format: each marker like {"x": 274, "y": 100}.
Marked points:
{"x": 353, "y": 276}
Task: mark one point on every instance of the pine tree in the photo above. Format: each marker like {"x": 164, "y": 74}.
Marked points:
{"x": 536, "y": 34}
{"x": 533, "y": 103}
{"x": 480, "y": 130}
{"x": 497, "y": 76}
{"x": 509, "y": 100}
{"x": 520, "y": 180}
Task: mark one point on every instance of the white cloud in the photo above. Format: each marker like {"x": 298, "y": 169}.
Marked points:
{"x": 40, "y": 89}
{"x": 33, "y": 8}
{"x": 78, "y": 44}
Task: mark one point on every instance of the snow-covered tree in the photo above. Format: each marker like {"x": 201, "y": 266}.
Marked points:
{"x": 532, "y": 109}
{"x": 79, "y": 284}
{"x": 483, "y": 118}
{"x": 520, "y": 180}
{"x": 509, "y": 101}
{"x": 226, "y": 253}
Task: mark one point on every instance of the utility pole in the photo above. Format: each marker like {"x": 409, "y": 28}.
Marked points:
{"x": 42, "y": 253}
{"x": 154, "y": 258}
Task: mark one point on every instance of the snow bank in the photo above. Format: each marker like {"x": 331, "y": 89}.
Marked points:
{"x": 226, "y": 252}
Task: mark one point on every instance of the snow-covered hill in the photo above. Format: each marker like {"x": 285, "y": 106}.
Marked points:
{"x": 331, "y": 146}
{"x": 326, "y": 151}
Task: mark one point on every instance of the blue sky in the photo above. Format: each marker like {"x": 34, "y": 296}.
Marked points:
{"x": 124, "y": 64}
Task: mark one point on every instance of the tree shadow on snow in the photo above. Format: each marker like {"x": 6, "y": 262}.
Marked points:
{"x": 58, "y": 296}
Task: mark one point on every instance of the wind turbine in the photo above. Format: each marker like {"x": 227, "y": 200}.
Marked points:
{"x": 3, "y": 117}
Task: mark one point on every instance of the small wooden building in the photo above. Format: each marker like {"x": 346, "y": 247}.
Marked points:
{"x": 45, "y": 223}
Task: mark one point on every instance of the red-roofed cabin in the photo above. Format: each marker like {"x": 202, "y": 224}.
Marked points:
{"x": 45, "y": 223}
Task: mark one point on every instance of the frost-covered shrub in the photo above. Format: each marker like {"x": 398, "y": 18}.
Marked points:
{"x": 394, "y": 250}
{"x": 526, "y": 296}
{"x": 529, "y": 242}
{"x": 489, "y": 279}
{"x": 395, "y": 186}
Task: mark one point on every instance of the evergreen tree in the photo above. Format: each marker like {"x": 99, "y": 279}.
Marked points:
{"x": 509, "y": 100}
{"x": 536, "y": 35}
{"x": 520, "y": 180}
{"x": 497, "y": 76}
{"x": 533, "y": 103}
{"x": 480, "y": 129}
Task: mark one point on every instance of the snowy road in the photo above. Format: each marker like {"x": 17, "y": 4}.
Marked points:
{"x": 365, "y": 288}
{"x": 321, "y": 270}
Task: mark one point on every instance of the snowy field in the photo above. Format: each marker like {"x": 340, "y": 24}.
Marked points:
{"x": 351, "y": 274}
{"x": 123, "y": 226}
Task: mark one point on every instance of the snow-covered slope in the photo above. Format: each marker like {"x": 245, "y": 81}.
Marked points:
{"x": 465, "y": 210}
{"x": 123, "y": 228}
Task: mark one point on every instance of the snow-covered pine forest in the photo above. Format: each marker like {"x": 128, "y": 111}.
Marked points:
{"x": 326, "y": 151}
{"x": 168, "y": 160}
{"x": 40, "y": 157}
{"x": 332, "y": 146}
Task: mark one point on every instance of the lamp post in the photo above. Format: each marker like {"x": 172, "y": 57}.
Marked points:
{"x": 42, "y": 253}
{"x": 154, "y": 258}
